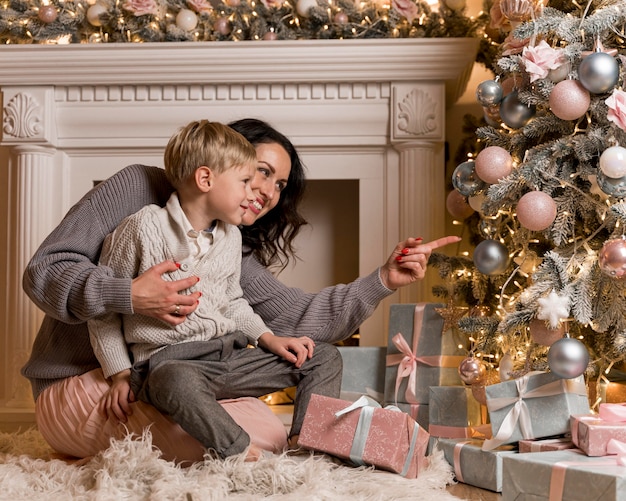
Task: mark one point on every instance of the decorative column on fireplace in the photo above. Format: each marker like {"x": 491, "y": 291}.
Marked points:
{"x": 366, "y": 110}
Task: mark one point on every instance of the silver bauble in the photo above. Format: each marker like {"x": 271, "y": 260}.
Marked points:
{"x": 489, "y": 93}
{"x": 568, "y": 358}
{"x": 491, "y": 257}
{"x": 466, "y": 181}
{"x": 514, "y": 113}
{"x": 616, "y": 187}
{"x": 598, "y": 72}
{"x": 472, "y": 370}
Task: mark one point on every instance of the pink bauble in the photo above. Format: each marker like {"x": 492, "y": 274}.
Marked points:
{"x": 341, "y": 18}
{"x": 536, "y": 211}
{"x": 544, "y": 335}
{"x": 493, "y": 163}
{"x": 233, "y": 3}
{"x": 613, "y": 162}
{"x": 472, "y": 370}
{"x": 569, "y": 100}
{"x": 222, "y": 26}
{"x": 270, "y": 35}
{"x": 47, "y": 14}
{"x": 612, "y": 258}
{"x": 457, "y": 206}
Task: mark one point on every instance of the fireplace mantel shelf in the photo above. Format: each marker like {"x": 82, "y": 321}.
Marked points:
{"x": 312, "y": 61}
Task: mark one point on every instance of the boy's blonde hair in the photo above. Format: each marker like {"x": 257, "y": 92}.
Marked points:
{"x": 204, "y": 143}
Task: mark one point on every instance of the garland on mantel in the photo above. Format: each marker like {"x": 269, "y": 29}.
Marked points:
{"x": 101, "y": 21}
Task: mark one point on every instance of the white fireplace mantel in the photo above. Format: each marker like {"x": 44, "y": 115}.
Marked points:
{"x": 365, "y": 110}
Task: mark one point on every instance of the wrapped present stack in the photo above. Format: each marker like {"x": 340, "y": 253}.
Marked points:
{"x": 420, "y": 355}
{"x": 528, "y": 437}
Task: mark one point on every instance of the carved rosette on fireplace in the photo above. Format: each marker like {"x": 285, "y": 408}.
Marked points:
{"x": 365, "y": 110}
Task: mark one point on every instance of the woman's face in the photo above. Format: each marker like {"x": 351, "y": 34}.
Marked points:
{"x": 273, "y": 168}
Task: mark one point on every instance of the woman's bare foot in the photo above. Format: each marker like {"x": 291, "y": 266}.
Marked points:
{"x": 254, "y": 453}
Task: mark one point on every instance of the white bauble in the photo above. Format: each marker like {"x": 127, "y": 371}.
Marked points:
{"x": 613, "y": 162}
{"x": 93, "y": 14}
{"x": 303, "y": 6}
{"x": 186, "y": 19}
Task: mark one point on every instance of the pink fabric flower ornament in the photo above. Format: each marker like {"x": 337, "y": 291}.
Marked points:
{"x": 513, "y": 45}
{"x": 406, "y": 8}
{"x": 540, "y": 59}
{"x": 199, "y": 6}
{"x": 141, "y": 7}
{"x": 497, "y": 19}
{"x": 617, "y": 108}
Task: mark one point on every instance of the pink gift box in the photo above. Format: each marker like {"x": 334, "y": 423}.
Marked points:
{"x": 592, "y": 434}
{"x": 389, "y": 439}
{"x": 547, "y": 444}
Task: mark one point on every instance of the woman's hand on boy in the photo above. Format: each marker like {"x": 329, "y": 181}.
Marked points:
{"x": 293, "y": 349}
{"x": 161, "y": 299}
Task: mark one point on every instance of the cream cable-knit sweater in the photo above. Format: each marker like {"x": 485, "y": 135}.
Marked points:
{"x": 63, "y": 280}
{"x": 151, "y": 236}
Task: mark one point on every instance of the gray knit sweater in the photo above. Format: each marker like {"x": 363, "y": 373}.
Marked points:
{"x": 149, "y": 237}
{"x": 63, "y": 280}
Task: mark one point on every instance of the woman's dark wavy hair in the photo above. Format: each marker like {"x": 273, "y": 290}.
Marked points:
{"x": 271, "y": 237}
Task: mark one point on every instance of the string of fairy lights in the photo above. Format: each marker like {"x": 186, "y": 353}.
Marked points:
{"x": 138, "y": 21}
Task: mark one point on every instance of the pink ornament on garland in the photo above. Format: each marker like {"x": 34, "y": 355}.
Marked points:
{"x": 222, "y": 26}
{"x": 270, "y": 35}
{"x": 536, "y": 211}
{"x": 341, "y": 18}
{"x": 569, "y": 100}
{"x": 47, "y": 14}
{"x": 493, "y": 163}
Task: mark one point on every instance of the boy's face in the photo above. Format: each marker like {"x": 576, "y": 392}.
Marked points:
{"x": 231, "y": 193}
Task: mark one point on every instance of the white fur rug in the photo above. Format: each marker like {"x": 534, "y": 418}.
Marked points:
{"x": 131, "y": 470}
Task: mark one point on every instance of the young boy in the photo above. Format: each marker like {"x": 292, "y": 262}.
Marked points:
{"x": 183, "y": 370}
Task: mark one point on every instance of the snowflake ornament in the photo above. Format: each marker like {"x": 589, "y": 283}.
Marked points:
{"x": 553, "y": 308}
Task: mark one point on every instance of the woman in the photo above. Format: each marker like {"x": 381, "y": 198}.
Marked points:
{"x": 64, "y": 281}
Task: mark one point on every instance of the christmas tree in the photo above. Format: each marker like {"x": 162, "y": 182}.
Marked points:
{"x": 541, "y": 187}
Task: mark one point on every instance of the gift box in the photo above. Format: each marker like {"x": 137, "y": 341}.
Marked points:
{"x": 593, "y": 432}
{"x": 562, "y": 475}
{"x": 536, "y": 405}
{"x": 419, "y": 412}
{"x": 546, "y": 444}
{"x": 454, "y": 412}
{"x": 472, "y": 465}
{"x": 363, "y": 372}
{"x": 365, "y": 434}
{"x": 420, "y": 354}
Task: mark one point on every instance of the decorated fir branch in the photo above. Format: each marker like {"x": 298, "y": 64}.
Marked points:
{"x": 98, "y": 21}
{"x": 542, "y": 190}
